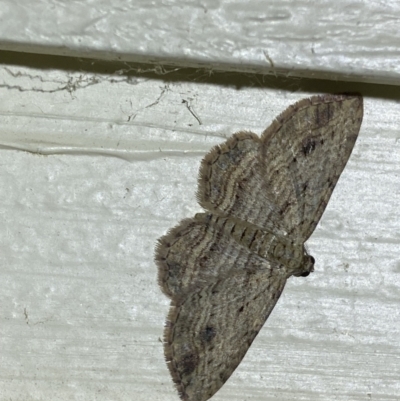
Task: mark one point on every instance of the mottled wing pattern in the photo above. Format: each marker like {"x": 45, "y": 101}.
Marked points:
{"x": 196, "y": 253}
{"x": 232, "y": 183}
{"x": 283, "y": 182}
{"x": 201, "y": 351}
{"x": 310, "y": 142}
{"x": 222, "y": 292}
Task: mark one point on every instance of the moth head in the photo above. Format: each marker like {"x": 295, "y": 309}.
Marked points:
{"x": 307, "y": 266}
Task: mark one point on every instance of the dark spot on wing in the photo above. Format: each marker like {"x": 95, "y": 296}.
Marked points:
{"x": 208, "y": 334}
{"x": 188, "y": 363}
{"x": 308, "y": 146}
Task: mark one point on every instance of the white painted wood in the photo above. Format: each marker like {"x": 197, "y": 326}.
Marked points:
{"x": 96, "y": 166}
{"x": 344, "y": 39}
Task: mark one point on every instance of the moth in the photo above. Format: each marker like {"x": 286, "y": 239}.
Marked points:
{"x": 225, "y": 269}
